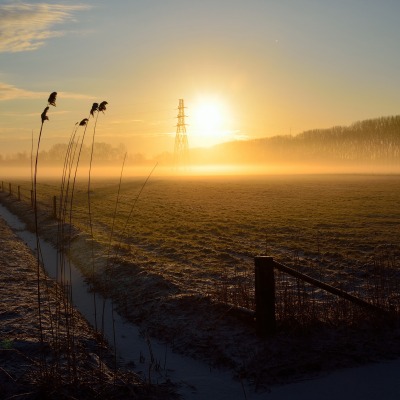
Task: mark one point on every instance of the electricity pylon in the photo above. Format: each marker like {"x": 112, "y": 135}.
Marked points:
{"x": 181, "y": 152}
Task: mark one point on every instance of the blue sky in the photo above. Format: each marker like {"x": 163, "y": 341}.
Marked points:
{"x": 262, "y": 67}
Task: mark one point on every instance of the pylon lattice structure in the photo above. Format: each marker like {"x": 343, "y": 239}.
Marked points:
{"x": 181, "y": 152}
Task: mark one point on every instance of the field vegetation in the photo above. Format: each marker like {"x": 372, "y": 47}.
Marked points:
{"x": 181, "y": 261}
{"x": 195, "y": 231}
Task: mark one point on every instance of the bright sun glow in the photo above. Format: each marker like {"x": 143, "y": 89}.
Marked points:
{"x": 209, "y": 122}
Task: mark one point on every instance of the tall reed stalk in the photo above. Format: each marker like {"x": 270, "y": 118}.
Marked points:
{"x": 67, "y": 272}
{"x": 108, "y": 259}
{"x": 60, "y": 248}
{"x": 96, "y": 108}
{"x": 44, "y": 117}
{"x": 67, "y": 188}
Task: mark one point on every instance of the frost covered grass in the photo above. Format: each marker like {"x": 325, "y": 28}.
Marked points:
{"x": 190, "y": 244}
{"x": 199, "y": 232}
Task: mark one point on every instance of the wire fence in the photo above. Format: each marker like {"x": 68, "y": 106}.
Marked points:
{"x": 291, "y": 299}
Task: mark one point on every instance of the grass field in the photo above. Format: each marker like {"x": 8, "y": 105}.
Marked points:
{"x": 192, "y": 230}
{"x": 184, "y": 246}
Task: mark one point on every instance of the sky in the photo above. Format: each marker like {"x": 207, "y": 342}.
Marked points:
{"x": 245, "y": 69}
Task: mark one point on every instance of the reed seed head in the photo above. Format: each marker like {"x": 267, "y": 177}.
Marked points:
{"x": 44, "y": 114}
{"x": 83, "y": 122}
{"x": 102, "y": 106}
{"x": 52, "y": 99}
{"x": 95, "y": 107}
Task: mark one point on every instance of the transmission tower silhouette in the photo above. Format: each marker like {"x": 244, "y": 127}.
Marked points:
{"x": 181, "y": 152}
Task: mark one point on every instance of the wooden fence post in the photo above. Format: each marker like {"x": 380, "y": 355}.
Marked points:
{"x": 55, "y": 207}
{"x": 19, "y": 192}
{"x": 265, "y": 295}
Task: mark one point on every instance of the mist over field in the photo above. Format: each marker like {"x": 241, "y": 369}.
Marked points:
{"x": 370, "y": 146}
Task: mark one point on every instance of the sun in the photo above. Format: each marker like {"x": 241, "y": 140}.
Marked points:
{"x": 209, "y": 121}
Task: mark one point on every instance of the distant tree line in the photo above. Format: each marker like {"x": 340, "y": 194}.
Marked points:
{"x": 370, "y": 141}
{"x": 374, "y": 141}
{"x": 104, "y": 153}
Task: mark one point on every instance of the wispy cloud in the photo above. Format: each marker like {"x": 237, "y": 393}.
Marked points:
{"x": 237, "y": 135}
{"x": 10, "y": 92}
{"x": 52, "y": 113}
{"x": 77, "y": 96}
{"x": 125, "y": 121}
{"x": 26, "y": 27}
